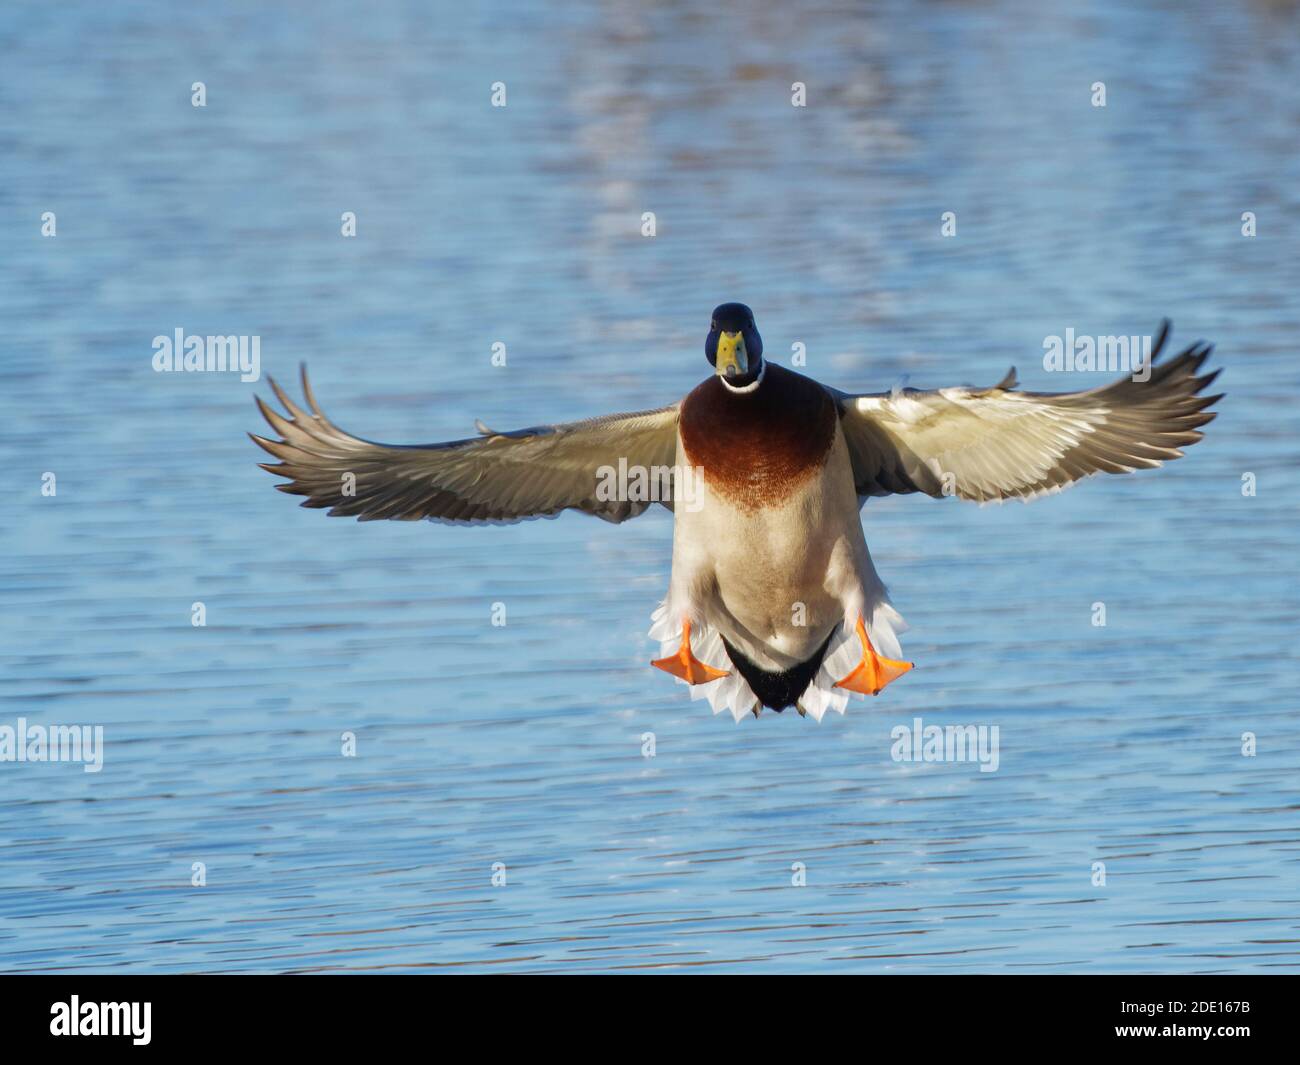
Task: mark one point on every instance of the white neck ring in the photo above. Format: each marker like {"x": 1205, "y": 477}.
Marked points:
{"x": 753, "y": 385}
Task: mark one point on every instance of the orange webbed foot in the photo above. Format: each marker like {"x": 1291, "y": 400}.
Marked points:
{"x": 871, "y": 674}
{"x": 685, "y": 665}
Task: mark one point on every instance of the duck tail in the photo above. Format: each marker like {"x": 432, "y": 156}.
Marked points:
{"x": 781, "y": 689}
{"x": 809, "y": 686}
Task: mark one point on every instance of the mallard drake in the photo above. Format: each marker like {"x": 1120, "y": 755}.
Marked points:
{"x": 773, "y": 599}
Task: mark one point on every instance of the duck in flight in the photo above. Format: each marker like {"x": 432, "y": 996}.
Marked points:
{"x": 773, "y": 599}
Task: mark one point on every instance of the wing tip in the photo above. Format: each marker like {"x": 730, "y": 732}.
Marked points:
{"x": 1162, "y": 334}
{"x": 307, "y": 393}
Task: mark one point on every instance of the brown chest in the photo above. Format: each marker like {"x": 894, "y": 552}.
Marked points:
{"x": 756, "y": 447}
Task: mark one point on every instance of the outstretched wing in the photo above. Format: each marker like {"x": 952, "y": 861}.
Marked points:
{"x": 997, "y": 443}
{"x": 496, "y": 477}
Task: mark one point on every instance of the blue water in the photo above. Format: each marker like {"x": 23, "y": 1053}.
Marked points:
{"x": 522, "y": 744}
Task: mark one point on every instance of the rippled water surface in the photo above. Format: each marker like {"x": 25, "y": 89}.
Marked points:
{"x": 522, "y": 744}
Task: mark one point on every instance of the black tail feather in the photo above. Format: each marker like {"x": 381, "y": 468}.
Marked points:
{"x": 776, "y": 691}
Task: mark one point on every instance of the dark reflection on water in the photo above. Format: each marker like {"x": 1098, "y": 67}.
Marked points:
{"x": 522, "y": 744}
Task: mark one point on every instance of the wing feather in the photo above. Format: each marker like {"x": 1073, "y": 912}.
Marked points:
{"x": 492, "y": 477}
{"x": 998, "y": 443}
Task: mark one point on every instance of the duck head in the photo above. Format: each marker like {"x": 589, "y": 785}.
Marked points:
{"x": 733, "y": 345}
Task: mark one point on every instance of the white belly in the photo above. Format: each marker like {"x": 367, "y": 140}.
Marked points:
{"x": 775, "y": 581}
